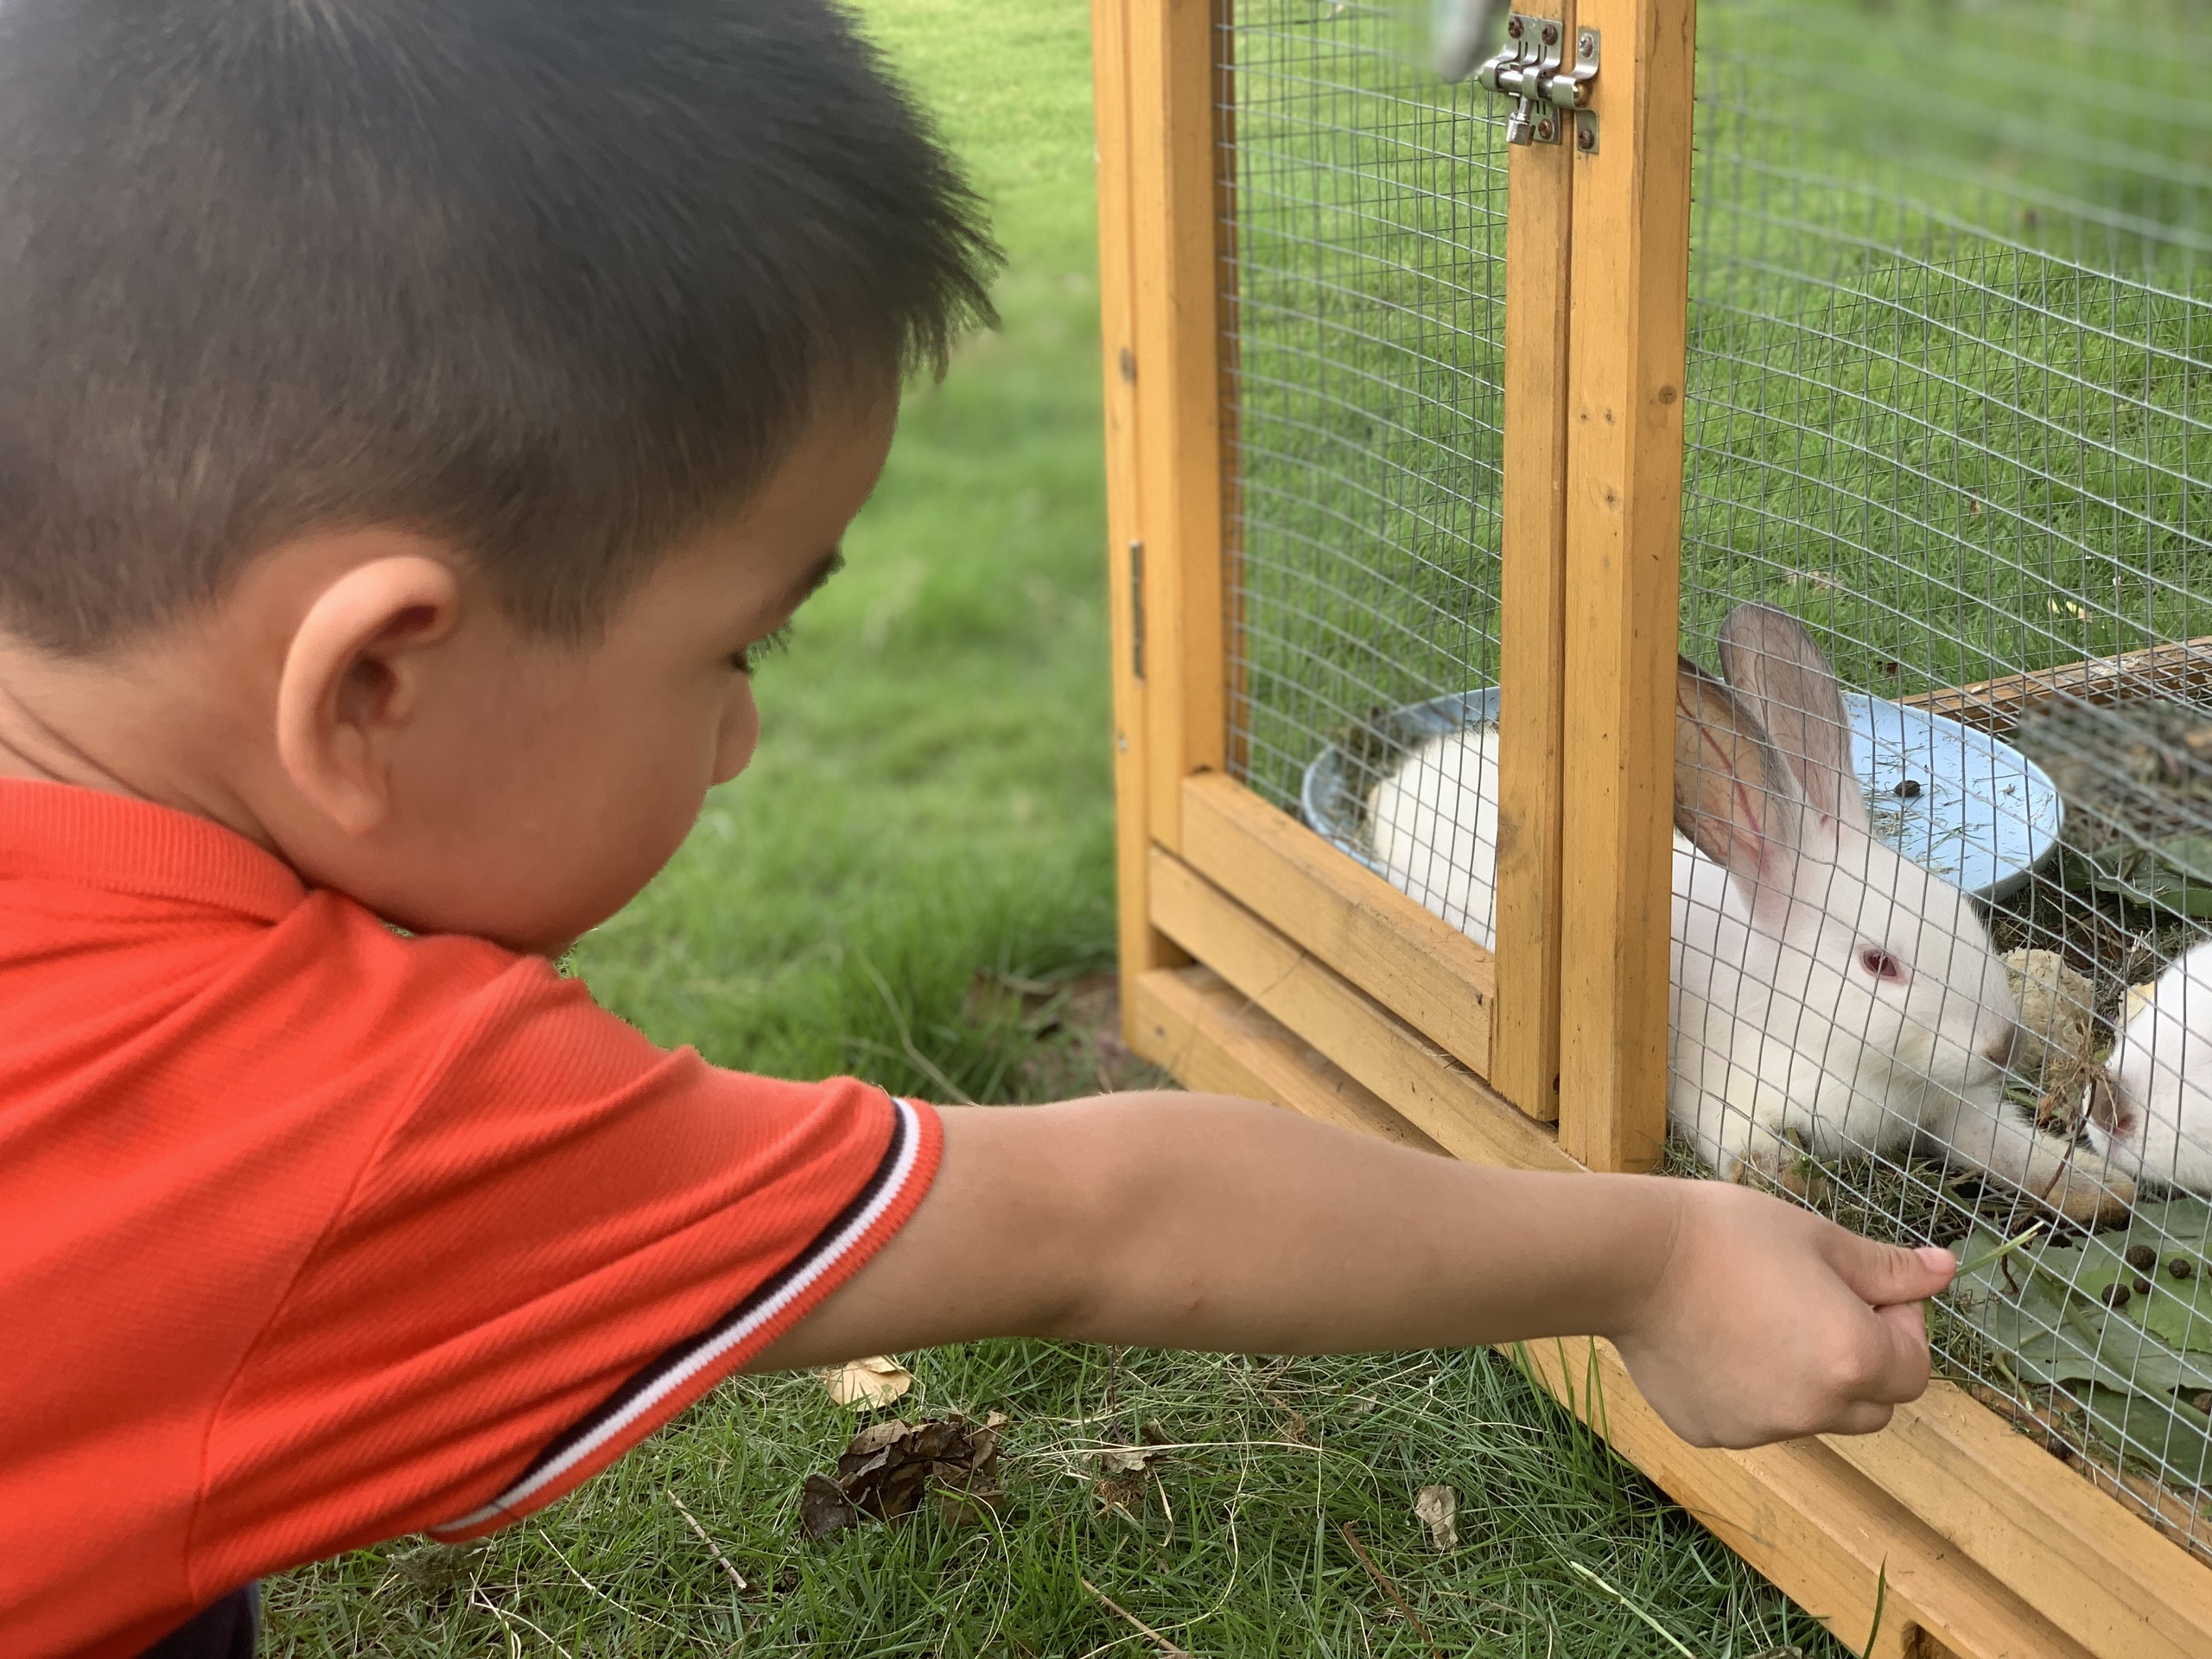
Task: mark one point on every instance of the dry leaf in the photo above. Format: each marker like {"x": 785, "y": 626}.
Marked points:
{"x": 1121, "y": 1493}
{"x": 824, "y": 1508}
{"x": 1437, "y": 1508}
{"x": 2055, "y": 1004}
{"x": 2054, "y": 1046}
{"x": 435, "y": 1567}
{"x": 873, "y": 1381}
{"x": 1121, "y": 1473}
{"x": 887, "y": 1466}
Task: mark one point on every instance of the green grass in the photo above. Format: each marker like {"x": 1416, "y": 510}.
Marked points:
{"x": 1231, "y": 1542}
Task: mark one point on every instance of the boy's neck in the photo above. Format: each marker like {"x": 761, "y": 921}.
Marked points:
{"x": 130, "y": 722}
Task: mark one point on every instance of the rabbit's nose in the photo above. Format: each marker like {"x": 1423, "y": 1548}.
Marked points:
{"x": 1998, "y": 1048}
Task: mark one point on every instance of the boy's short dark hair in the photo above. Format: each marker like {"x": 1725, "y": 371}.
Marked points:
{"x": 556, "y": 280}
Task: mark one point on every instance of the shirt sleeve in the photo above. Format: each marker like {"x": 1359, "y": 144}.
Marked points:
{"x": 567, "y": 1237}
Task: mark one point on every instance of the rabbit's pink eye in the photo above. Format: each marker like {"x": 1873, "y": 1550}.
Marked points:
{"x": 1880, "y": 963}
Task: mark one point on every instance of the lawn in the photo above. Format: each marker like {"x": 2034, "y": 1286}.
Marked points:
{"x": 916, "y": 866}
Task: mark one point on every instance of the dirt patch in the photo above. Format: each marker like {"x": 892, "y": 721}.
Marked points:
{"x": 1074, "y": 1028}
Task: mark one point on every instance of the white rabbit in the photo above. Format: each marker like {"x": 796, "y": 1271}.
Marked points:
{"x": 2156, "y": 1121}
{"x": 1826, "y": 991}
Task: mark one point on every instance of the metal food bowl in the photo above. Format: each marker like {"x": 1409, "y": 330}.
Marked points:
{"x": 1972, "y": 809}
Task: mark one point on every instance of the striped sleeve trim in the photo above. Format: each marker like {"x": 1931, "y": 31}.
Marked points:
{"x": 671, "y": 1372}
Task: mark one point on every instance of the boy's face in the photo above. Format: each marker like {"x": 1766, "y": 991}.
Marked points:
{"x": 533, "y": 788}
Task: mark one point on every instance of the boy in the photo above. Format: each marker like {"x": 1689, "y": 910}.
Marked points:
{"x": 413, "y": 413}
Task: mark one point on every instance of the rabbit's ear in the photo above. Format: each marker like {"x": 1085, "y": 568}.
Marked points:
{"x": 1734, "y": 796}
{"x": 1772, "y": 662}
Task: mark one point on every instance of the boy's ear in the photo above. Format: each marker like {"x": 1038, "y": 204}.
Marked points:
{"x": 353, "y": 679}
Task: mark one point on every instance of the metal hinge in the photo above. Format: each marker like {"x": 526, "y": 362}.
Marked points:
{"x": 1136, "y": 610}
{"x": 1531, "y": 71}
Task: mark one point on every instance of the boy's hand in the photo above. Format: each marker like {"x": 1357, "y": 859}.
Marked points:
{"x": 1766, "y": 1323}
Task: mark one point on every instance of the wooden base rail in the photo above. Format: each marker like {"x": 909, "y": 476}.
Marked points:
{"x": 1422, "y": 968}
{"x": 1990, "y": 1549}
{"x": 1432, "y": 1091}
{"x": 2110, "y": 1581}
{"x": 1831, "y": 1539}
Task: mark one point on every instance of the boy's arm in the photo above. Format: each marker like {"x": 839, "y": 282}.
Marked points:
{"x": 1194, "y": 1221}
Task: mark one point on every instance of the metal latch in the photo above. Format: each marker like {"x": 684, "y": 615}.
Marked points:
{"x": 1531, "y": 71}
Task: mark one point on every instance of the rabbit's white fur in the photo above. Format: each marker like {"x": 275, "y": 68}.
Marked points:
{"x": 2158, "y": 1123}
{"x": 1825, "y": 990}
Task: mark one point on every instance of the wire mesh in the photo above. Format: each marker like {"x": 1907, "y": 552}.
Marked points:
{"x": 1367, "y": 226}
{"x": 1948, "y": 404}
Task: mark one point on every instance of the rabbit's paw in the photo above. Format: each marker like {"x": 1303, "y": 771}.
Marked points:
{"x": 2088, "y": 1191}
{"x": 1782, "y": 1167}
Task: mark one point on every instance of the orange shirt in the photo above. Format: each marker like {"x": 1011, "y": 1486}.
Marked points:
{"x": 311, "y": 1234}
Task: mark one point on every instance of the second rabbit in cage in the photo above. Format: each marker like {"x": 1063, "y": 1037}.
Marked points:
{"x": 2156, "y": 1120}
{"x": 1828, "y": 994}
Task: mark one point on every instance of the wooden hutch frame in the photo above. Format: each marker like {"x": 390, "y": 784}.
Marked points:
{"x": 1257, "y": 960}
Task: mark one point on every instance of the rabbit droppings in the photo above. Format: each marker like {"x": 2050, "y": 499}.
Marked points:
{"x": 1824, "y": 988}
{"x": 2155, "y": 1122}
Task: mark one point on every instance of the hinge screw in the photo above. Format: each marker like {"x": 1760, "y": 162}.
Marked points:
{"x": 1551, "y": 34}
{"x": 1586, "y": 44}
{"x": 1513, "y": 28}
{"x": 1587, "y": 137}
{"x": 1544, "y": 129}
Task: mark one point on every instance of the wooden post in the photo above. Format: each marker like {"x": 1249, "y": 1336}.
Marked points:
{"x": 1235, "y": 716}
{"x": 1171, "y": 133}
{"x": 1524, "y": 1053}
{"x": 1141, "y": 947}
{"x": 1630, "y": 276}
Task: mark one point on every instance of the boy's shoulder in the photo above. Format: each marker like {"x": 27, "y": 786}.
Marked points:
{"x": 241, "y": 997}
{"x": 311, "y": 1231}
{"x": 103, "y": 887}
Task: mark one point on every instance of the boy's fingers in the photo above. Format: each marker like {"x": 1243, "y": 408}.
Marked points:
{"x": 1858, "y": 1417}
{"x": 1884, "y": 1275}
{"x": 1864, "y": 1418}
{"x": 1904, "y": 1374}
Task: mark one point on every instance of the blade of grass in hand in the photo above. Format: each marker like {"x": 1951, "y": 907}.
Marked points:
{"x": 1997, "y": 1252}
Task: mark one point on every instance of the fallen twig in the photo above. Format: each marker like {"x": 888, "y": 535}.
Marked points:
{"x": 1142, "y": 1629}
{"x": 713, "y": 1548}
{"x": 1388, "y": 1588}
